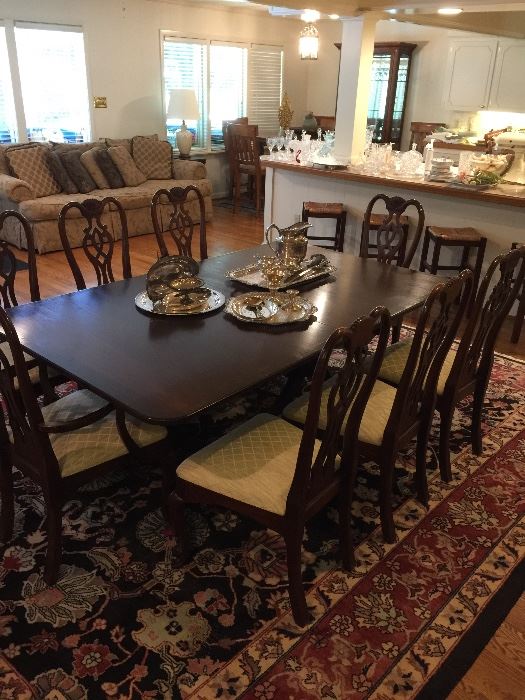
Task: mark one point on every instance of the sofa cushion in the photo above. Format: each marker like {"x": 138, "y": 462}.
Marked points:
{"x": 152, "y": 157}
{"x": 59, "y": 172}
{"x": 89, "y": 161}
{"x": 77, "y": 172}
{"x": 126, "y": 165}
{"x": 4, "y": 163}
{"x": 119, "y": 142}
{"x": 108, "y": 167}
{"x": 30, "y": 164}
{"x": 67, "y": 147}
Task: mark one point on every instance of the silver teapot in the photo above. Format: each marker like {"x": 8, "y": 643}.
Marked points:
{"x": 290, "y": 243}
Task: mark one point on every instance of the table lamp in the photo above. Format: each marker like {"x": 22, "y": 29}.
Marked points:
{"x": 183, "y": 105}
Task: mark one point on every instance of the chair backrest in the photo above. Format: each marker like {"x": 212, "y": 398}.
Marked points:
{"x": 347, "y": 399}
{"x": 177, "y": 221}
{"x": 226, "y": 130}
{"x": 8, "y": 262}
{"x": 420, "y": 130}
{"x": 97, "y": 242}
{"x": 475, "y": 352}
{"x": 244, "y": 145}
{"x": 392, "y": 235}
{"x": 436, "y": 329}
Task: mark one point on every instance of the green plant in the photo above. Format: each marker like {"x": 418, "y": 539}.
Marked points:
{"x": 483, "y": 177}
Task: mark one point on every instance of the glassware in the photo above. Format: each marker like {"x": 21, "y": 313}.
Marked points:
{"x": 272, "y": 142}
{"x": 274, "y": 270}
{"x": 410, "y": 162}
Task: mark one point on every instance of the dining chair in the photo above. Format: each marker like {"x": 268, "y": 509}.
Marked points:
{"x": 466, "y": 371}
{"x": 228, "y": 148}
{"x": 520, "y": 312}
{"x": 60, "y": 446}
{"x": 280, "y": 475}
{"x": 391, "y": 240}
{"x": 246, "y": 161}
{"x": 177, "y": 221}
{"x": 97, "y": 242}
{"x": 395, "y": 415}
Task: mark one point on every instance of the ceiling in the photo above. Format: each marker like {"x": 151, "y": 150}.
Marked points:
{"x": 485, "y": 16}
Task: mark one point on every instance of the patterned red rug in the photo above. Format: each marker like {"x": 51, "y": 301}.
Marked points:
{"x": 122, "y": 622}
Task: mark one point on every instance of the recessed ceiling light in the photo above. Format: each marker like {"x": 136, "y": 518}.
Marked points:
{"x": 333, "y": 16}
{"x": 392, "y": 11}
{"x": 450, "y": 11}
{"x": 310, "y": 16}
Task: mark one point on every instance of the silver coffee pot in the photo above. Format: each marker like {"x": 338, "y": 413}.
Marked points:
{"x": 291, "y": 243}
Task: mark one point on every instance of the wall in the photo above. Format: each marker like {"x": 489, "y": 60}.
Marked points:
{"x": 122, "y": 39}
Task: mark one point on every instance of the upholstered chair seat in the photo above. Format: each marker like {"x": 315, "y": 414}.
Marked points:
{"x": 395, "y": 359}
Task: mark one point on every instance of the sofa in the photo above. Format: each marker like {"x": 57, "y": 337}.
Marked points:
{"x": 37, "y": 184}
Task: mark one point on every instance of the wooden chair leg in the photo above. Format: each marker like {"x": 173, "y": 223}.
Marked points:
{"x": 435, "y": 257}
{"x": 518, "y": 321}
{"x": 477, "y": 273}
{"x": 54, "y": 539}
{"x": 421, "y": 459}
{"x": 294, "y": 543}
{"x": 477, "y": 410}
{"x": 446, "y": 414}
{"x": 424, "y": 252}
{"x": 346, "y": 498}
{"x": 386, "y": 468}
{"x": 396, "y": 330}
{"x": 7, "y": 504}
{"x": 237, "y": 199}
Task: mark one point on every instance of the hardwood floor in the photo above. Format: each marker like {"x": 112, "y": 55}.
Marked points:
{"x": 499, "y": 671}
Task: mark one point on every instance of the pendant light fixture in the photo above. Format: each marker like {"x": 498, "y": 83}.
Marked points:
{"x": 309, "y": 43}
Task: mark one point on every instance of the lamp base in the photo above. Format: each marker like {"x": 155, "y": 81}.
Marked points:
{"x": 184, "y": 139}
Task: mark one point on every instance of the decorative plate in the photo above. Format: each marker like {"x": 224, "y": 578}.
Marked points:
{"x": 252, "y": 276}
{"x": 187, "y": 308}
{"x": 270, "y": 308}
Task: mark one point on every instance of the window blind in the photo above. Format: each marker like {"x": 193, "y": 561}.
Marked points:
{"x": 265, "y": 87}
{"x": 228, "y": 77}
{"x": 7, "y": 108}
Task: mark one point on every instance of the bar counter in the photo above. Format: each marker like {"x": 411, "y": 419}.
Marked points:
{"x": 496, "y": 213}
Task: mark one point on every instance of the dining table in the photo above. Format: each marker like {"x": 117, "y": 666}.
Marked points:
{"x": 166, "y": 369}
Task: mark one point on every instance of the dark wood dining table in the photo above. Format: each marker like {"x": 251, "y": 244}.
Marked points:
{"x": 167, "y": 369}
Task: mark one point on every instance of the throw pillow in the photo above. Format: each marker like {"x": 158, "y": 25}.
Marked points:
{"x": 59, "y": 147}
{"x": 152, "y": 157}
{"x": 109, "y": 169}
{"x": 60, "y": 173}
{"x": 89, "y": 161}
{"x": 77, "y": 172}
{"x": 30, "y": 164}
{"x": 119, "y": 142}
{"x": 4, "y": 163}
{"x": 126, "y": 165}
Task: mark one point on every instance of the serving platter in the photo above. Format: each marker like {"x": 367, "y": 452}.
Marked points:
{"x": 214, "y": 301}
{"x": 270, "y": 308}
{"x": 252, "y": 276}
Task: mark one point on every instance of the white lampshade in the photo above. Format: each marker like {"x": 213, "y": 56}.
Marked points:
{"x": 182, "y": 104}
{"x": 309, "y": 43}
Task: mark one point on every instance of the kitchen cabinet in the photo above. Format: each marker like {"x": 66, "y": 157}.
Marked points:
{"x": 507, "y": 92}
{"x": 470, "y": 66}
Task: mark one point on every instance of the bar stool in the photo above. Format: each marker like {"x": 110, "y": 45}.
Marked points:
{"x": 520, "y": 313}
{"x": 465, "y": 238}
{"x": 327, "y": 210}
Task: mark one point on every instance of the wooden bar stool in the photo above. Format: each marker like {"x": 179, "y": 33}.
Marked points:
{"x": 465, "y": 238}
{"x": 520, "y": 313}
{"x": 327, "y": 210}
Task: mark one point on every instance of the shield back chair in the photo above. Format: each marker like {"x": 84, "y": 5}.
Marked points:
{"x": 391, "y": 240}
{"x": 466, "y": 371}
{"x": 246, "y": 161}
{"x": 177, "y": 222}
{"x": 97, "y": 242}
{"x": 60, "y": 446}
{"x": 227, "y": 145}
{"x": 394, "y": 416}
{"x": 292, "y": 474}
{"x": 520, "y": 313}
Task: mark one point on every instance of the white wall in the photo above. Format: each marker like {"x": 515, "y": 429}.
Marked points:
{"x": 122, "y": 41}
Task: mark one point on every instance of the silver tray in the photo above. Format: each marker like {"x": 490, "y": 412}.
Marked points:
{"x": 270, "y": 308}
{"x": 251, "y": 275}
{"x": 215, "y": 301}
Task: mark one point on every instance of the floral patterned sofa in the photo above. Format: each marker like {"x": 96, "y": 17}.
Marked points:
{"x": 42, "y": 211}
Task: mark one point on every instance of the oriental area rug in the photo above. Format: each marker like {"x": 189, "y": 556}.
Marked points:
{"x": 123, "y": 622}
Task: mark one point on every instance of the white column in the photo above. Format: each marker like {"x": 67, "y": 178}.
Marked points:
{"x": 355, "y": 70}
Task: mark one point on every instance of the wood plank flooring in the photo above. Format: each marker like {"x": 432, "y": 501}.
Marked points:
{"x": 499, "y": 671}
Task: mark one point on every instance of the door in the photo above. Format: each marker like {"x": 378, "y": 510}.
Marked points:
{"x": 470, "y": 67}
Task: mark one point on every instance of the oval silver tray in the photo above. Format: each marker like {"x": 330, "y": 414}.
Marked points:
{"x": 270, "y": 308}
{"x": 251, "y": 275}
{"x": 215, "y": 301}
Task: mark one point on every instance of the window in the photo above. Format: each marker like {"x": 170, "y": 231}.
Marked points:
{"x": 229, "y": 81}
{"x": 8, "y": 132}
{"x": 49, "y": 98}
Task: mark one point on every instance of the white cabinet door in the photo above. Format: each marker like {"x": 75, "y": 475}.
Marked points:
{"x": 507, "y": 93}
{"x": 469, "y": 73}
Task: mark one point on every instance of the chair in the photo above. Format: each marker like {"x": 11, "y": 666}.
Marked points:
{"x": 467, "y": 370}
{"x": 325, "y": 122}
{"x": 97, "y": 242}
{"x": 227, "y": 146}
{"x": 520, "y": 313}
{"x": 279, "y": 475}
{"x": 394, "y": 416}
{"x": 60, "y": 446}
{"x": 324, "y": 210}
{"x": 246, "y": 160}
{"x": 420, "y": 131}
{"x": 180, "y": 223}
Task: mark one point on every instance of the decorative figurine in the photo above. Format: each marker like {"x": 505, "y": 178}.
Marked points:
{"x": 285, "y": 113}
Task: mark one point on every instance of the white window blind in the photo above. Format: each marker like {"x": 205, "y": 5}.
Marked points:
{"x": 7, "y": 109}
{"x": 185, "y": 66}
{"x": 228, "y": 77}
{"x": 265, "y": 87}
{"x": 53, "y": 78}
